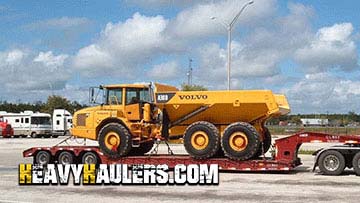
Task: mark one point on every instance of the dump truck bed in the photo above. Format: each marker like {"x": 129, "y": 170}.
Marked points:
{"x": 222, "y": 107}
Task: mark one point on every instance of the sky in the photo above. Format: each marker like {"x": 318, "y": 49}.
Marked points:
{"x": 307, "y": 50}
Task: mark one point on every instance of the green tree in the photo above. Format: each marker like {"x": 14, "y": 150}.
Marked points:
{"x": 56, "y": 102}
{"x": 186, "y": 87}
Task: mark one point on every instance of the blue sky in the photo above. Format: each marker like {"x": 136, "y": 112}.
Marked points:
{"x": 308, "y": 50}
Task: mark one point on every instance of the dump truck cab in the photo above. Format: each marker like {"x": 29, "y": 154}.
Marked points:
{"x": 126, "y": 118}
{"x": 119, "y": 103}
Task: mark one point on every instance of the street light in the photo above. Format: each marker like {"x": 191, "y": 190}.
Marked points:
{"x": 229, "y": 27}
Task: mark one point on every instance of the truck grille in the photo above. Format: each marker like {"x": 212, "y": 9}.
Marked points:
{"x": 8, "y": 129}
{"x": 81, "y": 119}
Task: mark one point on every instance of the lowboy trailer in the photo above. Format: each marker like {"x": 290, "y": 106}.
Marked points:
{"x": 331, "y": 160}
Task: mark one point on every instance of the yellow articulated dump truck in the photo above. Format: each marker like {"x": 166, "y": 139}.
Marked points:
{"x": 209, "y": 123}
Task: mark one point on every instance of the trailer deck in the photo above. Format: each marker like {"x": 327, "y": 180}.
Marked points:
{"x": 285, "y": 157}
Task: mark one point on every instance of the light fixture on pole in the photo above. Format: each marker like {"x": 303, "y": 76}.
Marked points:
{"x": 229, "y": 27}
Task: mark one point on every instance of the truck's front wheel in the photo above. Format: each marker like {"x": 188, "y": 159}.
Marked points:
{"x": 114, "y": 140}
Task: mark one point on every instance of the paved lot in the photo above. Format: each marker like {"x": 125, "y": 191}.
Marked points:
{"x": 301, "y": 185}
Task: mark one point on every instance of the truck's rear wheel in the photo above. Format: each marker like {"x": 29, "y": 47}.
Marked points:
{"x": 331, "y": 162}
{"x": 356, "y": 163}
{"x": 142, "y": 149}
{"x": 240, "y": 141}
{"x": 114, "y": 140}
{"x": 66, "y": 157}
{"x": 89, "y": 158}
{"x": 265, "y": 144}
{"x": 42, "y": 157}
{"x": 202, "y": 140}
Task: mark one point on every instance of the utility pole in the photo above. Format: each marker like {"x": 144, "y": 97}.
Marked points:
{"x": 189, "y": 73}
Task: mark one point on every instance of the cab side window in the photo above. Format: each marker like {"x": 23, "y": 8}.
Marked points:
{"x": 114, "y": 96}
{"x": 136, "y": 95}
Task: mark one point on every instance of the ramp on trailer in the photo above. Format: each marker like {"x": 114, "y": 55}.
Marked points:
{"x": 285, "y": 157}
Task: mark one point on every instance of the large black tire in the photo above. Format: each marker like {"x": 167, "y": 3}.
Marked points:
{"x": 331, "y": 162}
{"x": 142, "y": 149}
{"x": 66, "y": 157}
{"x": 356, "y": 163}
{"x": 265, "y": 144}
{"x": 201, "y": 140}
{"x": 249, "y": 137}
{"x": 110, "y": 132}
{"x": 89, "y": 158}
{"x": 34, "y": 135}
{"x": 46, "y": 135}
{"x": 42, "y": 157}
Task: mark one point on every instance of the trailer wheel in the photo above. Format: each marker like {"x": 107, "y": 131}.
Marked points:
{"x": 89, "y": 158}
{"x": 66, "y": 157}
{"x": 265, "y": 144}
{"x": 202, "y": 140}
{"x": 142, "y": 149}
{"x": 331, "y": 162}
{"x": 46, "y": 135}
{"x": 42, "y": 157}
{"x": 240, "y": 141}
{"x": 356, "y": 163}
{"x": 34, "y": 135}
{"x": 115, "y": 140}
{"x": 55, "y": 136}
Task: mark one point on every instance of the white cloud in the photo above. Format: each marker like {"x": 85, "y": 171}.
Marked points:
{"x": 196, "y": 21}
{"x": 25, "y": 70}
{"x": 50, "y": 60}
{"x": 321, "y": 92}
{"x": 167, "y": 70}
{"x": 332, "y": 47}
{"x": 14, "y": 57}
{"x": 256, "y": 58}
{"x": 124, "y": 46}
{"x": 60, "y": 23}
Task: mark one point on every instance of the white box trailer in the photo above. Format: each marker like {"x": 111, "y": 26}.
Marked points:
{"x": 29, "y": 123}
{"x": 61, "y": 122}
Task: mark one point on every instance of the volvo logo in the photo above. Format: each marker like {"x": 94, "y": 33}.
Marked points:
{"x": 193, "y": 97}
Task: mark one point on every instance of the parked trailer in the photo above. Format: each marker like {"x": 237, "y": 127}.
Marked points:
{"x": 331, "y": 161}
{"x": 61, "y": 122}
{"x": 28, "y": 123}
